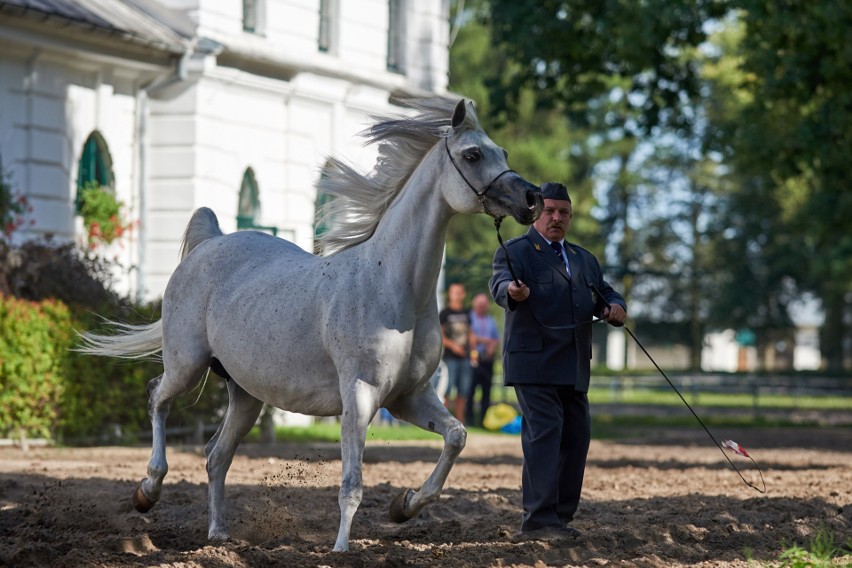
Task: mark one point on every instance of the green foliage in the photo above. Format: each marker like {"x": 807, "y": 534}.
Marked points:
{"x": 717, "y": 136}
{"x": 14, "y": 208}
{"x": 821, "y": 552}
{"x": 34, "y": 338}
{"x": 104, "y": 399}
{"x": 330, "y": 432}
{"x": 47, "y": 390}
{"x": 576, "y": 52}
{"x": 102, "y": 215}
{"x": 791, "y": 141}
{"x": 91, "y": 399}
{"x": 540, "y": 144}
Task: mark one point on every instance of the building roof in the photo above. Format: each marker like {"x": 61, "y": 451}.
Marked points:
{"x": 140, "y": 22}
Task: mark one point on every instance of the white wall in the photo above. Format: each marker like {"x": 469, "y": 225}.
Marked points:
{"x": 178, "y": 148}
{"x": 52, "y": 101}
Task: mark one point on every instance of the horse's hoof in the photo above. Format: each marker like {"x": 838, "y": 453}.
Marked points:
{"x": 140, "y": 502}
{"x": 218, "y": 535}
{"x": 397, "y": 508}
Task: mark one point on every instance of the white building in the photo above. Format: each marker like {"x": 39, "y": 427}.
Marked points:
{"x": 177, "y": 104}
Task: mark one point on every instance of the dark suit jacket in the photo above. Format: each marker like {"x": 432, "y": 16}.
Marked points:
{"x": 533, "y": 352}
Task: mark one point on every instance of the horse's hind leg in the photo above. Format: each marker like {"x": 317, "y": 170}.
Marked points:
{"x": 425, "y": 409}
{"x": 242, "y": 413}
{"x": 162, "y": 390}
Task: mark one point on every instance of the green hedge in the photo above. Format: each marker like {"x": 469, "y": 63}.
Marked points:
{"x": 104, "y": 399}
{"x": 48, "y": 390}
{"x": 49, "y": 291}
{"x": 34, "y": 337}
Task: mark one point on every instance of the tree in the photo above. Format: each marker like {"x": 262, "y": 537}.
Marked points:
{"x": 572, "y": 52}
{"x": 765, "y": 111}
{"x": 540, "y": 143}
{"x": 796, "y": 134}
{"x": 626, "y": 78}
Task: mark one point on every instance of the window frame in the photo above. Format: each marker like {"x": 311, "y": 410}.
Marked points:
{"x": 327, "y": 33}
{"x": 396, "y": 36}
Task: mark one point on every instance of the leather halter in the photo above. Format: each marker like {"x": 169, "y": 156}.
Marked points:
{"x": 480, "y": 195}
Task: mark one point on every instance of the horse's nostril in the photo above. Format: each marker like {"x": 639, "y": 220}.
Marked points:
{"x": 532, "y": 198}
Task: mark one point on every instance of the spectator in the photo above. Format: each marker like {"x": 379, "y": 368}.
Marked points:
{"x": 486, "y": 337}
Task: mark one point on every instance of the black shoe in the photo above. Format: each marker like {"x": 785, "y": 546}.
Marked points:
{"x": 556, "y": 531}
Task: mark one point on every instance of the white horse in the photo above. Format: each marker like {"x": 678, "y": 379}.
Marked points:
{"x": 342, "y": 334}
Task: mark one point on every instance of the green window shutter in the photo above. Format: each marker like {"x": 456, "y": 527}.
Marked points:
{"x": 94, "y": 167}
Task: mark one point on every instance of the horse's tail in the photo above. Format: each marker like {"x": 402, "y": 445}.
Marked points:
{"x": 202, "y": 226}
{"x": 140, "y": 341}
{"x": 131, "y": 341}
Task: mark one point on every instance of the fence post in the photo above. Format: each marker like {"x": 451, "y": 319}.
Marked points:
{"x": 198, "y": 435}
{"x": 755, "y": 388}
{"x": 614, "y": 390}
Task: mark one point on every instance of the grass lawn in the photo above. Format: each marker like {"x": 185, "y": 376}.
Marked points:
{"x": 709, "y": 399}
{"x": 615, "y": 424}
{"x": 604, "y": 426}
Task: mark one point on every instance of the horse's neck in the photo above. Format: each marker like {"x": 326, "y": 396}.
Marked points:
{"x": 411, "y": 235}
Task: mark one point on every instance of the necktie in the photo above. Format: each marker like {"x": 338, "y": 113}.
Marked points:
{"x": 557, "y": 248}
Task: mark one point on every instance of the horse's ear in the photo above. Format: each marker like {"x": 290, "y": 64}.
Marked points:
{"x": 459, "y": 114}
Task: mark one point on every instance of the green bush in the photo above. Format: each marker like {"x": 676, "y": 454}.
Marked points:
{"x": 49, "y": 293}
{"x": 103, "y": 215}
{"x": 105, "y": 400}
{"x": 34, "y": 339}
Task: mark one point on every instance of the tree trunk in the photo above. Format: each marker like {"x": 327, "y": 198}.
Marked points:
{"x": 833, "y": 329}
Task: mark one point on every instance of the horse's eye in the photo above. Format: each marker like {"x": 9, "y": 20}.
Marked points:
{"x": 472, "y": 155}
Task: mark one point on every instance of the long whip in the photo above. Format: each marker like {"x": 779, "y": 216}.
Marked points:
{"x": 726, "y": 443}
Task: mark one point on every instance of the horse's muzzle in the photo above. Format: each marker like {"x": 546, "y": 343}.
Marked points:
{"x": 513, "y": 195}
{"x": 535, "y": 202}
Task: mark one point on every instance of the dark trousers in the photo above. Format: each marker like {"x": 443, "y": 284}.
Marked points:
{"x": 483, "y": 375}
{"x": 555, "y": 434}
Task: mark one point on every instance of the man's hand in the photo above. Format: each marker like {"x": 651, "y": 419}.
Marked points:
{"x": 455, "y": 348}
{"x": 614, "y": 314}
{"x": 518, "y": 293}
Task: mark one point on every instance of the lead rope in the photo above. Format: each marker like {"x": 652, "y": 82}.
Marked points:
{"x": 497, "y": 223}
{"x": 725, "y": 444}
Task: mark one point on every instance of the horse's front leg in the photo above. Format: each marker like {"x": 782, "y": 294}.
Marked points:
{"x": 425, "y": 409}
{"x": 360, "y": 403}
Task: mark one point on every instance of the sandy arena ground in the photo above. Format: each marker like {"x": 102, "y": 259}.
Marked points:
{"x": 667, "y": 499}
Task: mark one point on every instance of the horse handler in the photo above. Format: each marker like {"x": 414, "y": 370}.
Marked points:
{"x": 546, "y": 357}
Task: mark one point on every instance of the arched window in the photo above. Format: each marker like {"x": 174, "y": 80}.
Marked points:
{"x": 249, "y": 204}
{"x": 95, "y": 167}
{"x": 248, "y": 207}
{"x": 320, "y": 226}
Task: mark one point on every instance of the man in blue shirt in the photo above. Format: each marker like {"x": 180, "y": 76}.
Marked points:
{"x": 486, "y": 337}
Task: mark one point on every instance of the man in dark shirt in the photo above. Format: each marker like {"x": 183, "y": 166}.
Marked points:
{"x": 547, "y": 347}
{"x": 457, "y": 340}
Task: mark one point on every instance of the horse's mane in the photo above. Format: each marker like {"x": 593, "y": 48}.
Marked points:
{"x": 357, "y": 202}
